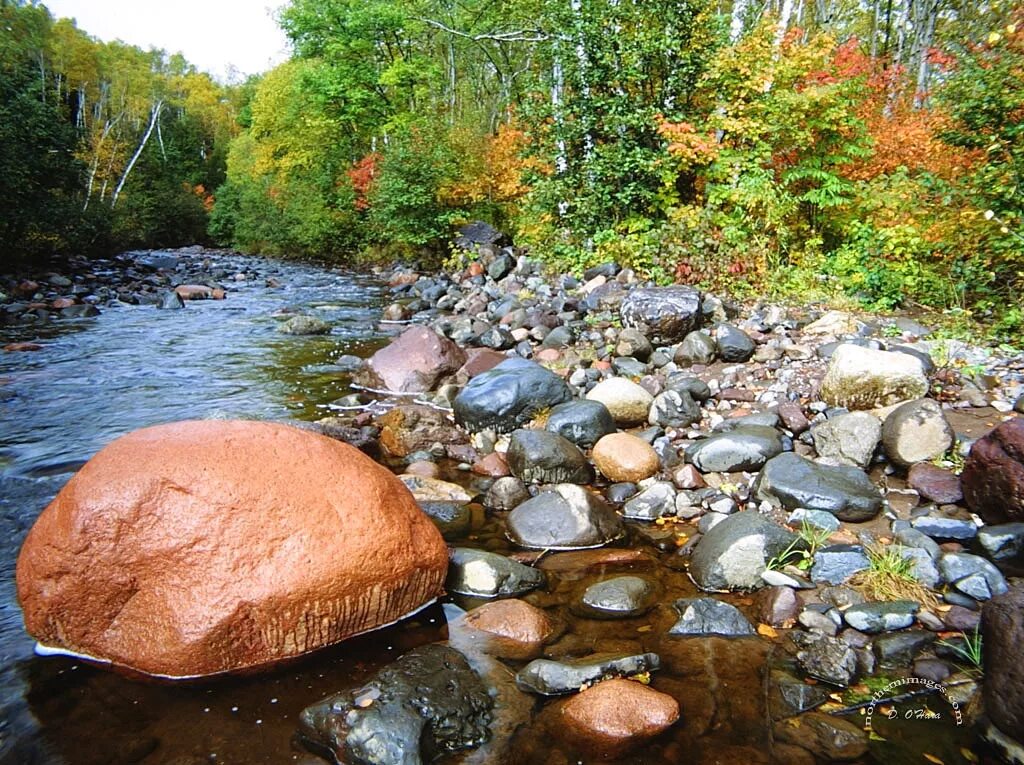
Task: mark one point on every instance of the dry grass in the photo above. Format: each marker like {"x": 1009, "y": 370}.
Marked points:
{"x": 891, "y": 577}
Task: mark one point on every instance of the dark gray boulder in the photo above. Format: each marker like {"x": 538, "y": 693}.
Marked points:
{"x": 426, "y": 704}
{"x": 552, "y": 678}
{"x": 566, "y": 517}
{"x": 583, "y": 422}
{"x": 792, "y": 481}
{"x": 539, "y": 456}
{"x": 508, "y": 396}
{"x": 734, "y": 553}
{"x": 703, "y": 617}
{"x": 744, "y": 448}
{"x": 734, "y": 345}
{"x": 489, "y": 575}
{"x": 664, "y": 314}
{"x": 621, "y": 597}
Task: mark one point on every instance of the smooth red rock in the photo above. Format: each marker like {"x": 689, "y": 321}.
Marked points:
{"x": 22, "y": 347}
{"x": 617, "y": 715}
{"x": 194, "y": 292}
{"x": 793, "y": 417}
{"x": 218, "y": 294}
{"x": 625, "y": 457}
{"x": 416, "y": 361}
{"x": 204, "y": 547}
{"x": 62, "y": 303}
{"x": 475, "y": 269}
{"x": 402, "y": 278}
{"x": 480, "y": 360}
{"x": 511, "y": 629}
{"x": 27, "y": 287}
{"x": 494, "y": 465}
{"x": 935, "y": 484}
{"x": 993, "y": 476}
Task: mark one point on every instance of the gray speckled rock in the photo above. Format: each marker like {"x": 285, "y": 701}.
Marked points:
{"x": 583, "y": 422}
{"x": 662, "y": 313}
{"x": 881, "y": 617}
{"x": 848, "y": 439}
{"x": 915, "y": 432}
{"x": 620, "y": 597}
{"x": 825, "y": 658}
{"x": 972, "y": 575}
{"x": 652, "y": 503}
{"x": 539, "y": 456}
{"x": 703, "y": 617}
{"x": 744, "y": 448}
{"x": 734, "y": 553}
{"x": 696, "y": 348}
{"x": 566, "y": 517}
{"x": 837, "y": 563}
{"x": 674, "y": 409}
{"x": 553, "y": 678}
{"x": 792, "y": 481}
{"x": 508, "y": 396}
{"x": 489, "y": 575}
{"x": 734, "y": 345}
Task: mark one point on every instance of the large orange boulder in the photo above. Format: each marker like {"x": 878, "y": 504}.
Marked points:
{"x": 204, "y": 547}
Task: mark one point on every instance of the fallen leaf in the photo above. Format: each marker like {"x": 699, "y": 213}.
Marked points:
{"x": 933, "y": 758}
{"x": 645, "y": 628}
{"x": 969, "y": 755}
{"x": 835, "y": 697}
{"x": 766, "y": 630}
{"x": 875, "y": 737}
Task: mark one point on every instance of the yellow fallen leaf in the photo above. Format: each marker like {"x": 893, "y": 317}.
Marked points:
{"x": 836, "y": 697}
{"x": 645, "y": 628}
{"x": 933, "y": 758}
{"x": 766, "y": 630}
{"x": 793, "y": 721}
{"x": 875, "y": 737}
{"x": 968, "y": 755}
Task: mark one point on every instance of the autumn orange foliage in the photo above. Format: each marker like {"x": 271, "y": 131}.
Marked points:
{"x": 361, "y": 175}
{"x": 686, "y": 144}
{"x": 492, "y": 172}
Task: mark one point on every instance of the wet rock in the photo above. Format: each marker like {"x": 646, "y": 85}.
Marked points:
{"x": 681, "y": 382}
{"x": 792, "y": 481}
{"x": 863, "y": 378}
{"x": 621, "y": 597}
{"x": 1004, "y": 542}
{"x": 793, "y": 417}
{"x": 733, "y": 554}
{"x": 624, "y": 457}
{"x": 778, "y": 605}
{"x": 416, "y": 361}
{"x": 412, "y": 428}
{"x": 634, "y": 344}
{"x": 848, "y": 439}
{"x": 1003, "y": 636}
{"x": 923, "y": 567}
{"x": 674, "y": 409}
{"x": 935, "y": 484}
{"x": 616, "y": 716}
{"x": 628, "y": 403}
{"x": 426, "y": 704}
{"x": 662, "y": 313}
{"x": 509, "y": 396}
{"x": 873, "y": 618}
{"x": 304, "y": 325}
{"x": 744, "y": 448}
{"x": 789, "y": 696}
{"x": 196, "y": 292}
{"x": 915, "y": 432}
{"x": 618, "y": 493}
{"x": 701, "y": 617}
{"x": 688, "y": 477}
{"x": 182, "y": 509}
{"x": 734, "y": 345}
{"x": 901, "y": 648}
{"x": 170, "y": 301}
{"x": 451, "y": 518}
{"x": 553, "y": 678}
{"x": 825, "y": 658}
{"x": 426, "y": 489}
{"x": 508, "y": 629}
{"x": 506, "y": 494}
{"x": 158, "y": 260}
{"x": 566, "y": 517}
{"x": 539, "y": 456}
{"x": 837, "y": 563}
{"x": 22, "y": 347}
{"x": 818, "y": 519}
{"x": 652, "y": 503}
{"x": 830, "y": 738}
{"x": 941, "y": 527}
{"x": 489, "y": 575}
{"x": 583, "y": 422}
{"x": 86, "y": 311}
{"x": 972, "y": 575}
{"x": 993, "y": 477}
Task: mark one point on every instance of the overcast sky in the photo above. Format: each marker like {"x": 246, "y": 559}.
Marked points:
{"x": 213, "y": 34}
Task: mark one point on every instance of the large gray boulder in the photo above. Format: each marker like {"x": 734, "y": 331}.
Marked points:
{"x": 665, "y": 314}
{"x": 567, "y": 517}
{"x": 734, "y": 553}
{"x": 863, "y": 378}
{"x": 792, "y": 481}
{"x": 509, "y": 396}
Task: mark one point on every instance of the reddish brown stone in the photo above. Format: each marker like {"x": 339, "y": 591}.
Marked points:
{"x": 615, "y": 716}
{"x": 214, "y": 546}
{"x": 480, "y": 360}
{"x": 475, "y": 269}
{"x": 993, "y": 477}
{"x": 416, "y": 361}
{"x": 625, "y": 457}
{"x": 194, "y": 292}
{"x": 62, "y": 303}
{"x": 1002, "y": 624}
{"x": 493, "y": 465}
{"x": 27, "y": 287}
{"x": 510, "y": 629}
{"x": 218, "y": 294}
{"x": 793, "y": 417}
{"x": 736, "y": 394}
{"x": 548, "y": 355}
{"x": 22, "y": 347}
{"x": 778, "y": 605}
{"x": 688, "y": 477}
{"x": 402, "y": 278}
{"x": 411, "y": 428}
{"x": 935, "y": 484}
{"x": 585, "y": 560}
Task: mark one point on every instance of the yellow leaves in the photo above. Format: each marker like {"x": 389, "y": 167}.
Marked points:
{"x": 932, "y": 758}
{"x": 993, "y": 38}
{"x": 766, "y": 630}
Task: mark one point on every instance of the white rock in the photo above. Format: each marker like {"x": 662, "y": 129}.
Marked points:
{"x": 863, "y": 378}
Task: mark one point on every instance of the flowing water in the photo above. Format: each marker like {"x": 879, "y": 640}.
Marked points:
{"x": 135, "y": 366}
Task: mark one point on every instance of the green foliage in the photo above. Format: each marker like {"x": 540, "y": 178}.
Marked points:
{"x": 968, "y": 647}
{"x": 800, "y": 552}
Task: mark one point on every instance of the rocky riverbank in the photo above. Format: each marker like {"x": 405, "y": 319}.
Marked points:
{"x": 767, "y": 517}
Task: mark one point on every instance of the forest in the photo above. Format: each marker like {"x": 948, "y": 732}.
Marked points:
{"x": 868, "y": 151}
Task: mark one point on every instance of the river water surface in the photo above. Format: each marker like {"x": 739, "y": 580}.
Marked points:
{"x": 135, "y": 366}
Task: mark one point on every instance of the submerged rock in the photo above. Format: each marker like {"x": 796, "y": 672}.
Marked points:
{"x": 301, "y": 325}
{"x": 489, "y": 575}
{"x": 825, "y": 658}
{"x": 552, "y": 678}
{"x": 137, "y": 560}
{"x": 509, "y": 396}
{"x": 509, "y": 629}
{"x": 565, "y": 517}
{"x": 701, "y": 617}
{"x": 426, "y": 704}
{"x": 621, "y": 597}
